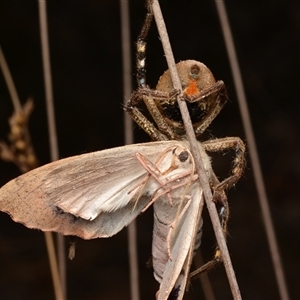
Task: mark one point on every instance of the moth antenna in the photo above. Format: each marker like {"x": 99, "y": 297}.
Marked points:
{"x": 172, "y": 225}
{"x": 191, "y": 179}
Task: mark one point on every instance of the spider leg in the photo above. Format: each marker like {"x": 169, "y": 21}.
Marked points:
{"x": 211, "y": 101}
{"x": 219, "y": 196}
{"x": 141, "y": 51}
{"x": 146, "y": 95}
{"x": 145, "y": 124}
{"x": 223, "y": 216}
{"x": 208, "y": 266}
{"x": 159, "y": 119}
{"x": 222, "y": 144}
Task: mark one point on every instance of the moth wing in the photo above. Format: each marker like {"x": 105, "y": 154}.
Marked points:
{"x": 177, "y": 270}
{"x": 98, "y": 182}
{"x": 84, "y": 195}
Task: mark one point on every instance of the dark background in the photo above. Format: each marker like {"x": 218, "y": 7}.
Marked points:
{"x": 85, "y": 50}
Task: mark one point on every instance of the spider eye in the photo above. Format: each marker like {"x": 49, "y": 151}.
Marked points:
{"x": 195, "y": 70}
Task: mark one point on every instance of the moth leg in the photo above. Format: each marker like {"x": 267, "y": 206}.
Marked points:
{"x": 171, "y": 188}
{"x": 143, "y": 181}
{"x": 147, "y": 165}
{"x": 173, "y": 225}
{"x": 153, "y": 170}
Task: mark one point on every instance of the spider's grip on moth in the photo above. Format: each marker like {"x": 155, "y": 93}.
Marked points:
{"x": 218, "y": 145}
{"x": 162, "y": 120}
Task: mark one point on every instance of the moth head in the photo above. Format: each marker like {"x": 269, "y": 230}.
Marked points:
{"x": 183, "y": 157}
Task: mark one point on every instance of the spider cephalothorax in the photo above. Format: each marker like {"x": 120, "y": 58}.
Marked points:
{"x": 204, "y": 96}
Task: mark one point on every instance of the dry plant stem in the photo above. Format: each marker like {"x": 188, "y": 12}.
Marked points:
{"x": 252, "y": 150}
{"x": 48, "y": 235}
{"x": 128, "y": 137}
{"x": 205, "y": 282}
{"x": 10, "y": 83}
{"x": 48, "y": 81}
{"x": 53, "y": 264}
{"x": 53, "y": 142}
{"x": 126, "y": 60}
{"x": 196, "y": 153}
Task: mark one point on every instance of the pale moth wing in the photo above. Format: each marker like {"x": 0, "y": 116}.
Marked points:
{"x": 85, "y": 195}
{"x": 176, "y": 271}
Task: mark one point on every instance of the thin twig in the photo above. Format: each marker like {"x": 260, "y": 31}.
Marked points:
{"x": 196, "y": 152}
{"x": 48, "y": 81}
{"x": 10, "y": 83}
{"x": 259, "y": 182}
{"x": 126, "y": 60}
{"x": 53, "y": 264}
{"x": 53, "y": 139}
{"x": 128, "y": 136}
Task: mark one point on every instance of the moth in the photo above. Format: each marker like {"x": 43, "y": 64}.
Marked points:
{"x": 97, "y": 194}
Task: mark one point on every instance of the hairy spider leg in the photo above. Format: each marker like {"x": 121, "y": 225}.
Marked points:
{"x": 219, "y": 196}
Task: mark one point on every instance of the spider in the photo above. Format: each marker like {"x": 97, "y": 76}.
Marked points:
{"x": 205, "y": 97}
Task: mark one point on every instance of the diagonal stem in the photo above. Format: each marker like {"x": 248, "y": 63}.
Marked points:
{"x": 10, "y": 83}
{"x": 196, "y": 152}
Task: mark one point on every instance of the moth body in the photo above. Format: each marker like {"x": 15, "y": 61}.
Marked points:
{"x": 177, "y": 233}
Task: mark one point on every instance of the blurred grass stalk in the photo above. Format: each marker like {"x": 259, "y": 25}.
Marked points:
{"x": 59, "y": 281}
{"x": 19, "y": 111}
{"x": 258, "y": 177}
{"x": 128, "y": 139}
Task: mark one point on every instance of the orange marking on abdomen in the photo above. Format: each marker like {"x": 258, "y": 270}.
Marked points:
{"x": 192, "y": 88}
